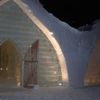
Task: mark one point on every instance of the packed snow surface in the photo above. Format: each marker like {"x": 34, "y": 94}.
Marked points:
{"x": 54, "y": 93}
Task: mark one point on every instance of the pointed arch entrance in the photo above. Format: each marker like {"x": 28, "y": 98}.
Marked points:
{"x": 92, "y": 77}
{"x": 10, "y": 62}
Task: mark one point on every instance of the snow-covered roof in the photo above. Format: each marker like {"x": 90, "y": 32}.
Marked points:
{"x": 50, "y": 21}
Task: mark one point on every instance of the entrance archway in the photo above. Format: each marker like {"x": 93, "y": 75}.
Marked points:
{"x": 10, "y": 62}
{"x": 92, "y": 77}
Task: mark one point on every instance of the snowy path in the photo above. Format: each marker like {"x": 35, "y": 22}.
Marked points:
{"x": 58, "y": 93}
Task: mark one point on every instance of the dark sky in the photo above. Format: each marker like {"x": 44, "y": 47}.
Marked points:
{"x": 75, "y": 12}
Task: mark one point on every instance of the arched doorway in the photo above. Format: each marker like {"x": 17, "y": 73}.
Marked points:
{"x": 92, "y": 77}
{"x": 10, "y": 62}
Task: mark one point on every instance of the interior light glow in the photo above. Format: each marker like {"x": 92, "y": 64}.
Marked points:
{"x": 18, "y": 84}
{"x": 60, "y": 84}
{"x": 1, "y": 69}
{"x": 55, "y": 72}
{"x": 51, "y": 33}
{"x": 6, "y": 68}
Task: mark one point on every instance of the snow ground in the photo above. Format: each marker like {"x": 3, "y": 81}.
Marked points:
{"x": 55, "y": 93}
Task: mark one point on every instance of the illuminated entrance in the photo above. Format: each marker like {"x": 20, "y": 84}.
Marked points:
{"x": 10, "y": 62}
{"x": 92, "y": 77}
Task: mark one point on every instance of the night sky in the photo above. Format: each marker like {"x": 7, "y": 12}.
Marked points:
{"x": 75, "y": 12}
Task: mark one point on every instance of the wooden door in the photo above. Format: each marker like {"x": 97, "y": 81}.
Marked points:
{"x": 30, "y": 68}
